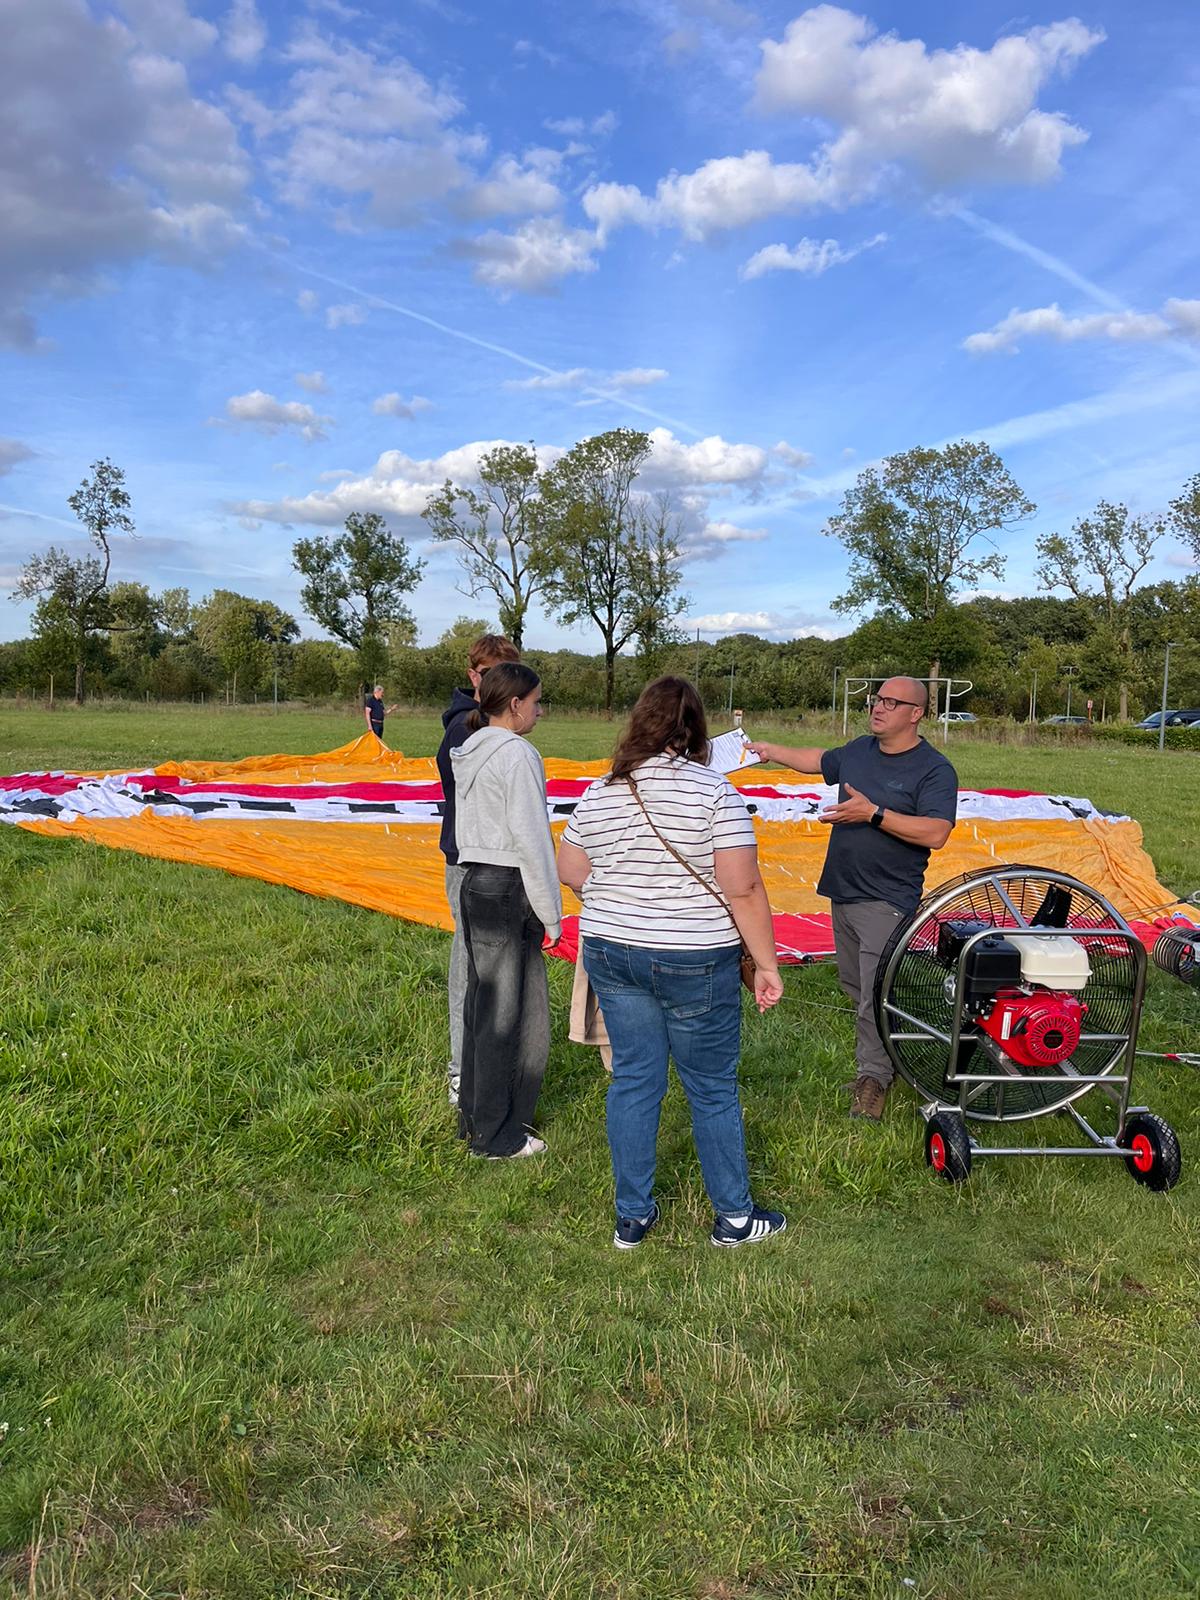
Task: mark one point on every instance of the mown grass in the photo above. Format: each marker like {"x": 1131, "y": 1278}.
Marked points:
{"x": 266, "y": 1331}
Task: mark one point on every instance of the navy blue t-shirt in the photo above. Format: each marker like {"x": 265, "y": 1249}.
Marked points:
{"x": 374, "y": 707}
{"x": 866, "y": 863}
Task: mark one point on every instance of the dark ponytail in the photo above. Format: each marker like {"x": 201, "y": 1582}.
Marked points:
{"x": 498, "y": 686}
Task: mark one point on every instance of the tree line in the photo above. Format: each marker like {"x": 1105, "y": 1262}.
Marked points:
{"x": 589, "y": 544}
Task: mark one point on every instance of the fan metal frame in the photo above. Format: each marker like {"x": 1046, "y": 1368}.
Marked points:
{"x": 964, "y": 1089}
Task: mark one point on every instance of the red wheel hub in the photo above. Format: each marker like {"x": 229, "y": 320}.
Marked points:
{"x": 1143, "y": 1153}
{"x": 937, "y": 1152}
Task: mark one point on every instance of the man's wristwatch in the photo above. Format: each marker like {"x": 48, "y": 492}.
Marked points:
{"x": 876, "y": 818}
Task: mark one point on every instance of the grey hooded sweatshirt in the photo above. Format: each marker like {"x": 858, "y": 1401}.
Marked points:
{"x": 500, "y": 815}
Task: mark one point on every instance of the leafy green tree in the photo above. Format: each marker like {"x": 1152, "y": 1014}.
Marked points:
{"x": 1185, "y": 515}
{"x": 915, "y": 529}
{"x": 1102, "y": 558}
{"x": 498, "y": 531}
{"x": 604, "y": 557}
{"x": 79, "y": 585}
{"x": 242, "y": 636}
{"x": 316, "y": 669}
{"x": 135, "y": 636}
{"x": 354, "y": 585}
{"x": 462, "y": 634}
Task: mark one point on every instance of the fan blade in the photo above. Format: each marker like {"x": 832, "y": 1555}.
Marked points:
{"x": 1055, "y": 909}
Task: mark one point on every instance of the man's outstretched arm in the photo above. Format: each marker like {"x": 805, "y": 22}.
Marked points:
{"x": 805, "y": 759}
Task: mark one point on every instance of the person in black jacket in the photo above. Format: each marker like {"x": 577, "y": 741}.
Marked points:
{"x": 488, "y": 651}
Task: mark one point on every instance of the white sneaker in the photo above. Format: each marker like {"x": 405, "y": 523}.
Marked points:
{"x": 531, "y": 1147}
{"x": 454, "y": 1083}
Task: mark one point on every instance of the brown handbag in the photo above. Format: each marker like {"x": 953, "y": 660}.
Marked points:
{"x": 746, "y": 963}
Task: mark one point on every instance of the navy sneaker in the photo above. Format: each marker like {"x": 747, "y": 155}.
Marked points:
{"x": 758, "y": 1225}
{"x": 629, "y": 1232}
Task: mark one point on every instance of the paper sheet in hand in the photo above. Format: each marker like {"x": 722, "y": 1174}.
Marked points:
{"x": 729, "y": 751}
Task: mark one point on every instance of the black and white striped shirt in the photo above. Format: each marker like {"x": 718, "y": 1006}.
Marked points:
{"x": 636, "y": 892}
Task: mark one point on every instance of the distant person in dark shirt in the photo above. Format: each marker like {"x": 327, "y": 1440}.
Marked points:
{"x": 374, "y": 710}
{"x": 488, "y": 651}
{"x": 897, "y": 801}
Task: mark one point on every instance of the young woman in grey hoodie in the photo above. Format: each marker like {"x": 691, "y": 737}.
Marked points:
{"x": 510, "y": 901}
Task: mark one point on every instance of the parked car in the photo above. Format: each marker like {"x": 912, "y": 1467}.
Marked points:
{"x": 1062, "y": 721}
{"x": 959, "y": 716}
{"x": 1175, "y": 719}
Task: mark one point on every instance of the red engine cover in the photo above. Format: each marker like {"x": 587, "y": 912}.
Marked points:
{"x": 1036, "y": 1030}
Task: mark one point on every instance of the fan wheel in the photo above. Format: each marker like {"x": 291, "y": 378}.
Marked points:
{"x": 948, "y": 1146}
{"x": 1155, "y": 1160}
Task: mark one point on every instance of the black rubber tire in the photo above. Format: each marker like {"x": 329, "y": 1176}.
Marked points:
{"x": 1162, "y": 1147}
{"x": 948, "y": 1146}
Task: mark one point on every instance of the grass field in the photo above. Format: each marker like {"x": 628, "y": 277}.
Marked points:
{"x": 265, "y": 1331}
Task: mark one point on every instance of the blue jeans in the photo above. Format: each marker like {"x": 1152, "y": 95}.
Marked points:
{"x": 684, "y": 1004}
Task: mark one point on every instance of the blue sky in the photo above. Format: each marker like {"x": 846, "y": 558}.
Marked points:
{"x": 285, "y": 261}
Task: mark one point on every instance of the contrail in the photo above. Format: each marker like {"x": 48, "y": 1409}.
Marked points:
{"x": 42, "y": 516}
{"x": 1042, "y": 258}
{"x": 482, "y": 344}
{"x": 1060, "y": 269}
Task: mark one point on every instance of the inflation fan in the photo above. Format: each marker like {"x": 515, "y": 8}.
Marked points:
{"x": 1011, "y": 994}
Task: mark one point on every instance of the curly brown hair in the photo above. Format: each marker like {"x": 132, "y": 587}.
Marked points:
{"x": 668, "y": 718}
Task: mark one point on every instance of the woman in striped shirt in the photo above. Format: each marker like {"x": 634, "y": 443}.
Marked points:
{"x": 663, "y": 855}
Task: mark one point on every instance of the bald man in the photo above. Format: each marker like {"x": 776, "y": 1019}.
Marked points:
{"x": 897, "y": 800}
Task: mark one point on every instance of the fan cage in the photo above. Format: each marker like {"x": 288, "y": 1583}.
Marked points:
{"x": 910, "y": 979}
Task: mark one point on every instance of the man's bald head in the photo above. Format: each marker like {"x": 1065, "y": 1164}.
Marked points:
{"x": 903, "y": 688}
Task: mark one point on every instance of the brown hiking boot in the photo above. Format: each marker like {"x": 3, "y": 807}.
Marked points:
{"x": 869, "y": 1098}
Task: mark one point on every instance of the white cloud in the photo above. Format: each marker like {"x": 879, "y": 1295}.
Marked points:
{"x": 354, "y": 124}
{"x": 392, "y": 405}
{"x": 1178, "y": 319}
{"x": 950, "y": 117}
{"x": 531, "y": 47}
{"x": 313, "y": 382}
{"x": 245, "y": 32}
{"x": 728, "y": 192}
{"x": 790, "y": 455}
{"x": 515, "y": 188}
{"x": 308, "y": 300}
{"x": 638, "y": 377}
{"x": 590, "y": 378}
{"x": 714, "y": 538}
{"x": 955, "y": 116}
{"x": 399, "y": 485}
{"x": 810, "y": 256}
{"x": 269, "y": 415}
{"x": 533, "y": 258}
{"x": 575, "y": 127}
{"x": 12, "y": 453}
{"x": 1184, "y": 315}
{"x": 769, "y": 624}
{"x": 169, "y": 26}
{"x": 105, "y": 156}
{"x": 346, "y": 316}
{"x": 708, "y": 461}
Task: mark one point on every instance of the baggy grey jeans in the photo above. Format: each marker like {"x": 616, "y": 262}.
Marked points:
{"x": 861, "y": 928}
{"x": 457, "y": 988}
{"x": 506, "y": 1037}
